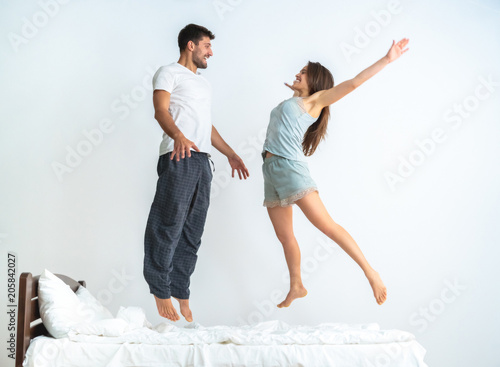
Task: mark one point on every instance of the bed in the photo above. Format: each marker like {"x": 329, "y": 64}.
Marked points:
{"x": 270, "y": 343}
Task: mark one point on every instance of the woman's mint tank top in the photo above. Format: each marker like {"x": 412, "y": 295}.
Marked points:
{"x": 288, "y": 124}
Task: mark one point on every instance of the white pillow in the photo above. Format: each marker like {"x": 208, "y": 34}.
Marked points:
{"x": 61, "y": 308}
{"x": 91, "y": 307}
{"x": 57, "y": 303}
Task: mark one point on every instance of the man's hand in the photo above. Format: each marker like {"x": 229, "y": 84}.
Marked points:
{"x": 182, "y": 145}
{"x": 237, "y": 164}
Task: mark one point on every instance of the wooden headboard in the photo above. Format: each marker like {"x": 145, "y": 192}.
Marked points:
{"x": 29, "y": 323}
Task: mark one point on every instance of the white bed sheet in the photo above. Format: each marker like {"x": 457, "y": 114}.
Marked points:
{"x": 45, "y": 352}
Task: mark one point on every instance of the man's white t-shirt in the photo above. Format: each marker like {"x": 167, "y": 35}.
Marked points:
{"x": 190, "y": 105}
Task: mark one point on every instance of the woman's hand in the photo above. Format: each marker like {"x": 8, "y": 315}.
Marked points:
{"x": 295, "y": 91}
{"x": 396, "y": 50}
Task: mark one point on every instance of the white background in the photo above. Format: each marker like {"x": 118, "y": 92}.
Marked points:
{"x": 432, "y": 235}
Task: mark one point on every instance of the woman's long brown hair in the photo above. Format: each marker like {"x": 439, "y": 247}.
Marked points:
{"x": 318, "y": 78}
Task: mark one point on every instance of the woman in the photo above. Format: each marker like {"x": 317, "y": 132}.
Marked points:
{"x": 297, "y": 126}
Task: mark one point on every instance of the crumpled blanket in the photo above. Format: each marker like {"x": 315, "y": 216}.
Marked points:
{"x": 131, "y": 326}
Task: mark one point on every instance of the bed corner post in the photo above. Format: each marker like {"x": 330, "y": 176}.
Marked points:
{"x": 23, "y": 318}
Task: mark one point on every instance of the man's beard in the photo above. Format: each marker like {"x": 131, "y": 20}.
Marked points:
{"x": 198, "y": 62}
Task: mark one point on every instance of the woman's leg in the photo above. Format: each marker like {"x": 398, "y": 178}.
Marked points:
{"x": 313, "y": 208}
{"x": 282, "y": 220}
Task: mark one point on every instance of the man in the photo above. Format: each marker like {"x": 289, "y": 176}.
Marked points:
{"x": 182, "y": 102}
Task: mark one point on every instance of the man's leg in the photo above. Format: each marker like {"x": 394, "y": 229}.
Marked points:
{"x": 176, "y": 184}
{"x": 185, "y": 255}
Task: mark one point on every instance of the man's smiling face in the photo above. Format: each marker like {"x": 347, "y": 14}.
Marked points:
{"x": 202, "y": 51}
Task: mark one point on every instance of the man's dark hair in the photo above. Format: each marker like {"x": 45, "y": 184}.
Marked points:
{"x": 192, "y": 32}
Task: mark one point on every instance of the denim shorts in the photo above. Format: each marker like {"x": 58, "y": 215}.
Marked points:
{"x": 285, "y": 181}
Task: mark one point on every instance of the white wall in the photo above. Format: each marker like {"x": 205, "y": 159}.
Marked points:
{"x": 436, "y": 225}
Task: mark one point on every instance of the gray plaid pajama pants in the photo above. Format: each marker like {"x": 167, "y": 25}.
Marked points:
{"x": 175, "y": 224}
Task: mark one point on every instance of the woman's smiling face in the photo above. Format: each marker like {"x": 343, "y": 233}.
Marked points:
{"x": 300, "y": 81}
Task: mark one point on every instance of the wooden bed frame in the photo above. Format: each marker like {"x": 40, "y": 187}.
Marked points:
{"x": 29, "y": 323}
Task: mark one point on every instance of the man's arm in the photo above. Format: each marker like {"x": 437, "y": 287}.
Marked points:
{"x": 235, "y": 161}
{"x": 182, "y": 145}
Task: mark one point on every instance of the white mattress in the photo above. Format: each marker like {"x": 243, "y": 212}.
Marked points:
{"x": 45, "y": 352}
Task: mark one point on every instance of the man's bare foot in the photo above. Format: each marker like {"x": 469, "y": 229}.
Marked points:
{"x": 166, "y": 309}
{"x": 185, "y": 310}
{"x": 379, "y": 290}
{"x": 295, "y": 292}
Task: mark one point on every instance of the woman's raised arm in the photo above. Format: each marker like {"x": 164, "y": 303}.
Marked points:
{"x": 327, "y": 97}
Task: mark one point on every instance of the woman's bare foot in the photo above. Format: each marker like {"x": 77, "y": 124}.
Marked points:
{"x": 185, "y": 310}
{"x": 379, "y": 290}
{"x": 166, "y": 309}
{"x": 295, "y": 292}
